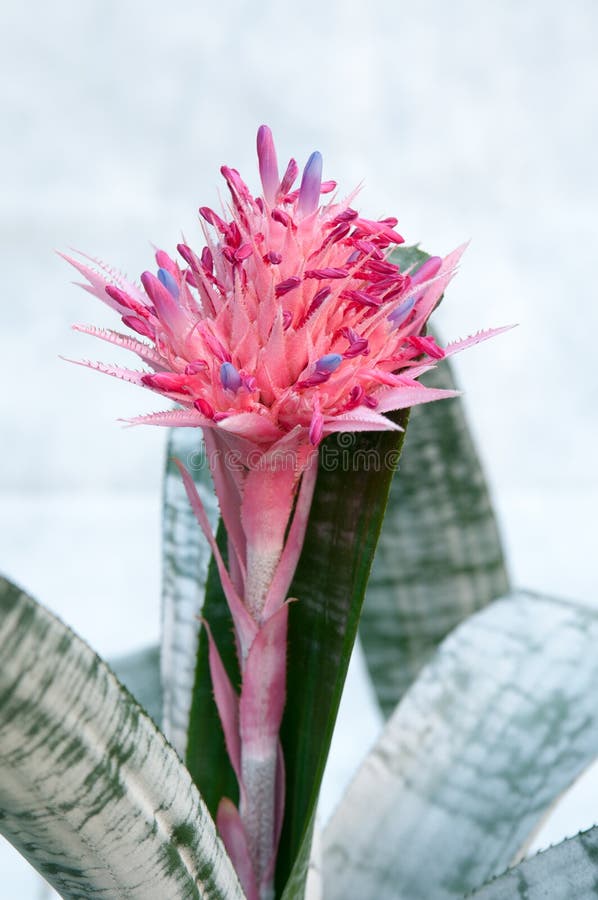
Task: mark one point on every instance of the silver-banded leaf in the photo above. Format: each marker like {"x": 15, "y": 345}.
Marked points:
{"x": 439, "y": 557}
{"x": 90, "y": 792}
{"x": 568, "y": 871}
{"x": 140, "y": 674}
{"x": 498, "y": 724}
{"x": 185, "y": 561}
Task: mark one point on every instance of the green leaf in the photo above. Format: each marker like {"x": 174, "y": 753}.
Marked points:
{"x": 568, "y": 871}
{"x": 185, "y": 559}
{"x": 207, "y": 758}
{"x": 140, "y": 674}
{"x": 439, "y": 558}
{"x": 90, "y": 792}
{"x": 498, "y": 724}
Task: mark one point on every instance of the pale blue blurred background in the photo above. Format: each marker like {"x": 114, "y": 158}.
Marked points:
{"x": 466, "y": 120}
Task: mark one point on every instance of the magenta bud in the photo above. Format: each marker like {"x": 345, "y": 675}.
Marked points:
{"x": 289, "y": 284}
{"x": 427, "y": 270}
{"x": 268, "y": 164}
{"x": 207, "y": 260}
{"x": 272, "y": 257}
{"x": 165, "y": 381}
{"x": 328, "y": 272}
{"x": 205, "y": 408}
{"x": 138, "y": 325}
{"x": 282, "y": 217}
{"x": 289, "y": 177}
{"x": 195, "y": 367}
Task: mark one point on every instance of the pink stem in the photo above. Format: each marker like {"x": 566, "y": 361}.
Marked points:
{"x": 260, "y": 714}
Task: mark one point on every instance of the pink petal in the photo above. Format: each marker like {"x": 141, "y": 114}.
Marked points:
{"x": 129, "y": 375}
{"x": 170, "y": 418}
{"x": 457, "y": 346}
{"x": 244, "y": 624}
{"x": 227, "y": 702}
{"x": 232, "y": 832}
{"x": 285, "y": 570}
{"x": 143, "y": 351}
{"x": 221, "y": 460}
{"x": 251, "y": 425}
{"x": 360, "y": 419}
{"x": 405, "y": 397}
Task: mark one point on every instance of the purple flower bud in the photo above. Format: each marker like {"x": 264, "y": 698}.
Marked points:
{"x": 329, "y": 363}
{"x": 229, "y": 376}
{"x": 398, "y": 315}
{"x": 309, "y": 193}
{"x": 169, "y": 282}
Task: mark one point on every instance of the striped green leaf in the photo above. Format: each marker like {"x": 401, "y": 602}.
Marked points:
{"x": 568, "y": 871}
{"x": 439, "y": 557}
{"x": 90, "y": 792}
{"x": 498, "y": 724}
{"x": 185, "y": 560}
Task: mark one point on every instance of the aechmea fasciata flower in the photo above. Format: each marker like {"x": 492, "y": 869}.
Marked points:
{"x": 291, "y": 323}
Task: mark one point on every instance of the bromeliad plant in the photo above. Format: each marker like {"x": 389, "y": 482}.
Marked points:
{"x": 291, "y": 324}
{"x": 296, "y": 322}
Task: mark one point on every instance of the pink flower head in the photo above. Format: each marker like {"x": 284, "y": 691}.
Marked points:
{"x": 292, "y": 318}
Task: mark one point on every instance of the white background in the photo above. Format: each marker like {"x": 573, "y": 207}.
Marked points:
{"x": 466, "y": 120}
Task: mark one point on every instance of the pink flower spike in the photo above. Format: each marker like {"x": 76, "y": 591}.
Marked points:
{"x": 309, "y": 192}
{"x": 268, "y": 164}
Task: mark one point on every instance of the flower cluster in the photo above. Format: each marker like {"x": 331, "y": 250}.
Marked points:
{"x": 292, "y": 316}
